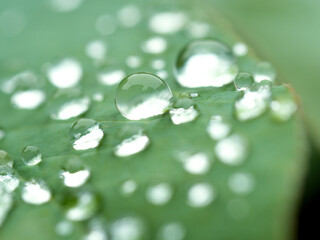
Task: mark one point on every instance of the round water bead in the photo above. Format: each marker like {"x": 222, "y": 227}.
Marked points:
{"x": 243, "y": 81}
{"x": 35, "y": 193}
{"x": 128, "y": 228}
{"x": 142, "y": 95}
{"x": 205, "y": 63}
{"x": 85, "y": 134}
{"x": 172, "y": 231}
{"x": 29, "y": 99}
{"x": 264, "y": 71}
{"x": 5, "y": 159}
{"x": 159, "y": 194}
{"x": 31, "y": 155}
{"x": 201, "y": 195}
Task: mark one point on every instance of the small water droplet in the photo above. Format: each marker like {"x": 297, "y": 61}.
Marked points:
{"x": 111, "y": 77}
{"x": 142, "y": 95}
{"x": 31, "y": 155}
{"x": 96, "y": 49}
{"x": 264, "y": 71}
{"x": 197, "y": 163}
{"x": 65, "y": 74}
{"x": 217, "y": 128}
{"x": 243, "y": 81}
{"x": 194, "y": 95}
{"x": 201, "y": 195}
{"x": 65, "y": 5}
{"x": 68, "y": 103}
{"x": 6, "y": 202}
{"x": 155, "y": 45}
{"x": 127, "y": 228}
{"x": 129, "y": 16}
{"x": 283, "y": 106}
{"x": 35, "y": 193}
{"x": 20, "y": 82}
{"x": 232, "y": 150}
{"x": 181, "y": 115}
{"x": 85, "y": 134}
{"x": 64, "y": 228}
{"x": 159, "y": 194}
{"x": 172, "y": 231}
{"x": 98, "y": 97}
{"x": 240, "y": 49}
{"x": 128, "y": 187}
{"x": 5, "y": 159}
{"x": 30, "y": 99}
{"x": 97, "y": 231}
{"x": 158, "y": 64}
{"x": 105, "y": 25}
{"x": 133, "y": 62}
{"x": 133, "y": 145}
{"x": 241, "y": 183}
{"x": 198, "y": 29}
{"x": 8, "y": 181}
{"x": 205, "y": 63}
{"x": 75, "y": 179}
{"x": 167, "y": 22}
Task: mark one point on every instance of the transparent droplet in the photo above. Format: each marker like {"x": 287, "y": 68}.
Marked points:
{"x": 158, "y": 64}
{"x": 264, "y": 71}
{"x": 30, "y": 99}
{"x": 238, "y": 208}
{"x": 217, "y": 128}
{"x": 240, "y": 49}
{"x": 127, "y": 228}
{"x": 172, "y": 231}
{"x": 65, "y": 74}
{"x": 241, "y": 183}
{"x": 111, "y": 77}
{"x": 167, "y": 22}
{"x": 133, "y": 62}
{"x": 35, "y": 193}
{"x": 243, "y": 81}
{"x": 64, "y": 228}
{"x": 155, "y": 45}
{"x": 142, "y": 95}
{"x": 6, "y": 202}
{"x": 205, "y": 63}
{"x": 159, "y": 194}
{"x": 181, "y": 115}
{"x": 194, "y": 95}
{"x": 96, "y": 231}
{"x": 201, "y": 195}
{"x": 75, "y": 179}
{"x": 197, "y": 163}
{"x": 21, "y": 81}
{"x": 198, "y": 29}
{"x": 68, "y": 103}
{"x": 85, "y": 205}
{"x": 232, "y": 150}
{"x": 106, "y": 25}
{"x": 5, "y": 159}
{"x": 128, "y": 187}
{"x": 283, "y": 106}
{"x": 65, "y": 5}
{"x": 8, "y": 181}
{"x": 31, "y": 155}
{"x": 96, "y": 49}
{"x": 129, "y": 16}
{"x": 132, "y": 145}
{"x": 85, "y": 134}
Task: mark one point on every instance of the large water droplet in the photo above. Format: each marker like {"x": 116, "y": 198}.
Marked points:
{"x": 75, "y": 179}
{"x": 159, "y": 194}
{"x": 30, "y": 99}
{"x": 5, "y": 159}
{"x": 172, "y": 231}
{"x": 241, "y": 183}
{"x": 132, "y": 145}
{"x": 142, "y": 95}
{"x": 65, "y": 74}
{"x": 85, "y": 134}
{"x": 35, "y": 193}
{"x": 127, "y": 228}
{"x": 181, "y": 115}
{"x": 31, "y": 155}
{"x": 205, "y": 63}
{"x": 232, "y": 150}
{"x": 217, "y": 128}
{"x": 201, "y": 195}
{"x": 243, "y": 81}
{"x": 167, "y": 22}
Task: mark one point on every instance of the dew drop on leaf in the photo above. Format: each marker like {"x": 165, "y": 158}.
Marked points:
{"x": 182, "y": 115}
{"x": 5, "y": 159}
{"x": 241, "y": 183}
{"x": 111, "y": 76}
{"x": 155, "y": 45}
{"x": 36, "y": 193}
{"x": 197, "y": 163}
{"x": 172, "y": 231}
{"x": 200, "y": 195}
{"x": 128, "y": 187}
{"x": 167, "y": 22}
{"x": 75, "y": 179}
{"x": 264, "y": 71}
{"x": 31, "y": 155}
{"x": 29, "y": 99}
{"x": 243, "y": 81}
{"x": 159, "y": 194}
{"x": 64, "y": 228}
{"x": 128, "y": 228}
{"x": 217, "y": 128}
{"x": 132, "y": 145}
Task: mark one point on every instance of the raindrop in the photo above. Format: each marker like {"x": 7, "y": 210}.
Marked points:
{"x": 172, "y": 231}
{"x": 264, "y": 71}
{"x": 133, "y": 62}
{"x": 240, "y": 49}
{"x": 105, "y": 25}
{"x": 158, "y": 64}
{"x": 241, "y": 183}
{"x": 7, "y": 180}
{"x": 75, "y": 179}
{"x": 85, "y": 134}
{"x": 159, "y": 194}
{"x": 6, "y": 202}
{"x": 243, "y": 81}
{"x": 142, "y": 95}
{"x": 197, "y": 163}
{"x": 96, "y": 49}
{"x": 181, "y": 115}
{"x": 65, "y": 74}
{"x": 283, "y": 106}
{"x": 111, "y": 77}
{"x": 129, "y": 16}
{"x": 205, "y": 63}
{"x": 64, "y": 228}
{"x": 5, "y": 159}
{"x": 127, "y": 228}
{"x": 68, "y": 103}
{"x": 217, "y": 128}
{"x": 201, "y": 195}
{"x": 30, "y": 99}
{"x": 155, "y": 45}
{"x": 35, "y": 193}
{"x": 194, "y": 95}
{"x": 232, "y": 150}
{"x": 128, "y": 187}
{"x": 198, "y": 29}
{"x": 167, "y": 22}
{"x": 65, "y": 5}
{"x": 133, "y": 145}
{"x": 21, "y": 81}
{"x": 31, "y": 155}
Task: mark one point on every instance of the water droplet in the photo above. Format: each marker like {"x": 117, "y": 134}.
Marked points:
{"x": 85, "y": 205}
{"x": 35, "y": 193}
{"x": 65, "y": 5}
{"x": 283, "y": 106}
{"x": 158, "y": 64}
{"x": 128, "y": 187}
{"x": 65, "y": 74}
{"x": 167, "y": 22}
{"x": 98, "y": 97}
{"x": 5, "y": 159}
{"x": 264, "y": 71}
{"x": 133, "y": 62}
{"x": 201, "y": 195}
{"x": 128, "y": 228}
{"x": 217, "y": 128}
{"x": 75, "y": 179}
{"x": 97, "y": 231}
{"x": 194, "y": 95}
{"x": 106, "y": 25}
{"x": 142, "y": 95}
{"x": 232, "y": 150}
{"x": 7, "y": 180}
{"x": 85, "y": 134}
{"x": 163, "y": 74}
{"x": 64, "y": 228}
{"x": 240, "y": 49}
{"x": 243, "y": 81}
{"x": 172, "y": 231}
{"x": 30, "y": 99}
{"x": 205, "y": 63}
{"x": 20, "y": 82}
{"x": 198, "y": 29}
{"x": 238, "y": 208}
{"x": 68, "y": 103}
{"x": 6, "y": 202}
{"x": 197, "y": 163}
{"x": 241, "y": 183}
{"x": 31, "y": 155}
{"x": 181, "y": 115}
{"x": 133, "y": 145}
{"x": 159, "y": 194}
{"x": 111, "y": 77}
{"x": 96, "y": 49}
{"x": 155, "y": 45}
{"x": 129, "y": 16}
